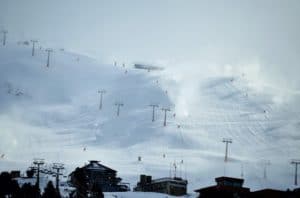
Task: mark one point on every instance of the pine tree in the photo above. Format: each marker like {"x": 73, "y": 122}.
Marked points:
{"x": 30, "y": 191}
{"x": 50, "y": 191}
{"x": 79, "y": 180}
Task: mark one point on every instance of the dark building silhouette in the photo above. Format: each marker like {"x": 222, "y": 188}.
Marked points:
{"x": 172, "y": 186}
{"x": 100, "y": 176}
{"x": 227, "y": 187}
{"x": 15, "y": 174}
{"x": 266, "y": 193}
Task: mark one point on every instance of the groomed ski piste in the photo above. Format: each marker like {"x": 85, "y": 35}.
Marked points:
{"x": 53, "y": 113}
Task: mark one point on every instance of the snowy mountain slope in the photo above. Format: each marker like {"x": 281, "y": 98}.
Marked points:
{"x": 261, "y": 129}
{"x": 54, "y": 113}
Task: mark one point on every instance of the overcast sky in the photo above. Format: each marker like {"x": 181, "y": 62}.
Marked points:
{"x": 191, "y": 33}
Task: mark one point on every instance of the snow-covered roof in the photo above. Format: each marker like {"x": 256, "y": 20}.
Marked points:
{"x": 95, "y": 165}
{"x": 168, "y": 179}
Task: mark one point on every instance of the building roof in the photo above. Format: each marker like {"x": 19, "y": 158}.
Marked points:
{"x": 297, "y": 189}
{"x": 223, "y": 188}
{"x": 268, "y": 191}
{"x": 169, "y": 179}
{"x": 95, "y": 165}
{"x": 231, "y": 179}
{"x": 229, "y": 184}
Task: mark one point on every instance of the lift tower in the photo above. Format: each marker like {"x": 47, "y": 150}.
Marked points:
{"x": 58, "y": 167}
{"x": 38, "y": 163}
{"x": 226, "y": 141}
{"x": 48, "y": 58}
{"x": 118, "y": 107}
{"x": 101, "y": 92}
{"x": 165, "y": 118}
{"x": 33, "y": 46}
{"x": 266, "y": 163}
{"x": 4, "y": 32}
{"x": 296, "y": 163}
{"x": 153, "y": 111}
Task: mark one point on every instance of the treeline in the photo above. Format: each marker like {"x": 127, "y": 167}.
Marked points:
{"x": 9, "y": 187}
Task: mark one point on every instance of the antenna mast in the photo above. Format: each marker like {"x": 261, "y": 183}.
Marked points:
{"x": 175, "y": 168}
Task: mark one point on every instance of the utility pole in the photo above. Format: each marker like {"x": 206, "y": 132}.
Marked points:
{"x": 226, "y": 141}
{"x": 38, "y": 163}
{"x": 296, "y": 163}
{"x": 48, "y": 59}
{"x": 4, "y": 32}
{"x": 33, "y": 46}
{"x": 101, "y": 92}
{"x": 57, "y": 167}
{"x": 165, "y": 118}
{"x": 153, "y": 111}
{"x": 118, "y": 107}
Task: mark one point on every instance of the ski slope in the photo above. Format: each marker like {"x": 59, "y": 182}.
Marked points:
{"x": 53, "y": 113}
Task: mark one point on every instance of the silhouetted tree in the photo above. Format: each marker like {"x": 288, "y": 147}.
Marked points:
{"x": 50, "y": 191}
{"x": 8, "y": 186}
{"x": 79, "y": 181}
{"x": 30, "y": 191}
{"x": 15, "y": 189}
{"x": 5, "y": 182}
